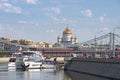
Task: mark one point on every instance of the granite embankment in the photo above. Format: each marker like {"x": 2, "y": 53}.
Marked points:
{"x": 107, "y": 68}
{"x": 4, "y": 59}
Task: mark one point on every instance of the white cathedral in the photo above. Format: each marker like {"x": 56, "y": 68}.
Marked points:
{"x": 67, "y": 38}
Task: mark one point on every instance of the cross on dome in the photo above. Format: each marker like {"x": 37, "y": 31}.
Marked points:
{"x": 67, "y": 31}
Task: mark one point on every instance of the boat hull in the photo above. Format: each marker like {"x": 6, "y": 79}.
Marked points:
{"x": 28, "y": 65}
{"x": 34, "y": 65}
{"x": 11, "y": 64}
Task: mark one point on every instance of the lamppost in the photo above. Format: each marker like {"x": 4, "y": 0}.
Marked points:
{"x": 114, "y": 40}
{"x": 96, "y": 42}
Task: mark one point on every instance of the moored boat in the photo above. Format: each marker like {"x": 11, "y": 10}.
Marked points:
{"x": 12, "y": 62}
{"x": 48, "y": 65}
{"x": 32, "y": 60}
{"x": 12, "y": 59}
{"x": 29, "y": 60}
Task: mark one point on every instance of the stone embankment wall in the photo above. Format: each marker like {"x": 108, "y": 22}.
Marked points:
{"x": 4, "y": 59}
{"x": 108, "y": 68}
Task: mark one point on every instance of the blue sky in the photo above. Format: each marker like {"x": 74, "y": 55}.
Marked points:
{"x": 44, "y": 20}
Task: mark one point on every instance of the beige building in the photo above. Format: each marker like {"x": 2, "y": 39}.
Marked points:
{"x": 15, "y": 41}
{"x": 6, "y": 39}
{"x": 42, "y": 44}
{"x": 26, "y": 43}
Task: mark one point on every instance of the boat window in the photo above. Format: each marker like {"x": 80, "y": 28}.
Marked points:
{"x": 37, "y": 59}
{"x": 27, "y": 53}
{"x": 31, "y": 56}
{"x": 49, "y": 62}
{"x": 12, "y": 60}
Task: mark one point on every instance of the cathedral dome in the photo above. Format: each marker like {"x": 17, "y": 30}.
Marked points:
{"x": 67, "y": 31}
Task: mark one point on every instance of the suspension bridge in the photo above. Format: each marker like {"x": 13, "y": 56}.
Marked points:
{"x": 109, "y": 40}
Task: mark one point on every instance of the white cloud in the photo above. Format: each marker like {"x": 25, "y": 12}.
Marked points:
{"x": 17, "y": 9}
{"x": 87, "y": 12}
{"x": 55, "y": 18}
{"x": 31, "y": 1}
{"x": 28, "y": 22}
{"x": 63, "y": 20}
{"x": 53, "y": 10}
{"x": 11, "y": 32}
{"x": 59, "y": 19}
{"x": 105, "y": 30}
{"x": 102, "y": 18}
{"x": 22, "y": 22}
{"x": 7, "y": 7}
{"x": 56, "y": 10}
{"x": 1, "y": 28}
{"x": 50, "y": 31}
{"x": 34, "y": 23}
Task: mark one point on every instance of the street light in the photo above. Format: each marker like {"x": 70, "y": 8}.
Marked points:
{"x": 96, "y": 41}
{"x": 114, "y": 40}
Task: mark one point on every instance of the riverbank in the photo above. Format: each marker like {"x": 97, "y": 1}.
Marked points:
{"x": 108, "y": 68}
{"x": 4, "y": 59}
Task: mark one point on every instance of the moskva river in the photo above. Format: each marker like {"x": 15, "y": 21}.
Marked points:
{"x": 48, "y": 74}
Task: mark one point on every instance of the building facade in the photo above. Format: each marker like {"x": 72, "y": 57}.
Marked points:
{"x": 67, "y": 38}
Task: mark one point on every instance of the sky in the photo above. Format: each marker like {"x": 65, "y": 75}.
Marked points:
{"x": 45, "y": 20}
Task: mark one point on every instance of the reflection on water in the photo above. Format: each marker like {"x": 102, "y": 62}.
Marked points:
{"x": 44, "y": 74}
{"x": 33, "y": 74}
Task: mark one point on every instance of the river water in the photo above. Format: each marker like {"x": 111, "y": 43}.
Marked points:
{"x": 37, "y": 74}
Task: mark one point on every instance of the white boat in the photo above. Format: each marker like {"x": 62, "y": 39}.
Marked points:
{"x": 12, "y": 60}
{"x": 31, "y": 60}
{"x": 48, "y": 65}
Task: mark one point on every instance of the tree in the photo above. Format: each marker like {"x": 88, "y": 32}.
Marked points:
{"x": 56, "y": 45}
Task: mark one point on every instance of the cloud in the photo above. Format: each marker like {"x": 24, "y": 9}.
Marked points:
{"x": 9, "y": 8}
{"x": 102, "y": 18}
{"x": 28, "y": 22}
{"x": 50, "y": 31}
{"x": 55, "y": 18}
{"x": 12, "y": 32}
{"x": 53, "y": 10}
{"x": 105, "y": 30}
{"x": 34, "y": 23}
{"x": 63, "y": 20}
{"x": 87, "y": 12}
{"x": 56, "y": 10}
{"x": 1, "y": 28}
{"x": 22, "y": 22}
{"x": 31, "y": 1}
{"x": 53, "y": 13}
{"x": 59, "y": 19}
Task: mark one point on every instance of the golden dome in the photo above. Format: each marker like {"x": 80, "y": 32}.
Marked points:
{"x": 67, "y": 31}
